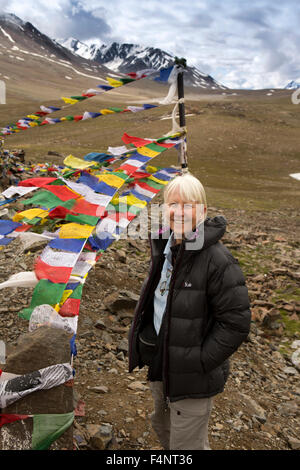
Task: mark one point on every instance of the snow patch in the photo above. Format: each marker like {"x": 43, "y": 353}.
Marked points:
{"x": 7, "y": 35}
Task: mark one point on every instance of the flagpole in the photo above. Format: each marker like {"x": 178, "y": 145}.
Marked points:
{"x": 181, "y": 64}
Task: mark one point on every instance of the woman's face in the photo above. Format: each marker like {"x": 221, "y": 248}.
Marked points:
{"x": 181, "y": 215}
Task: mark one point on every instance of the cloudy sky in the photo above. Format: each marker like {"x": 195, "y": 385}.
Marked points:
{"x": 241, "y": 44}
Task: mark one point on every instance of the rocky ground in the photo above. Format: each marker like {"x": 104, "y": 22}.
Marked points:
{"x": 259, "y": 408}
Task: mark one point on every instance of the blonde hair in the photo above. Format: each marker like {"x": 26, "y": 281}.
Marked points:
{"x": 190, "y": 189}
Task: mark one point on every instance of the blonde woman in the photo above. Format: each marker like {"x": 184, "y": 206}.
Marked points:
{"x": 193, "y": 313}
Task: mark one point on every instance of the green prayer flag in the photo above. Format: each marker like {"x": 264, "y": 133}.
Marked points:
{"x": 45, "y": 292}
{"x": 152, "y": 183}
{"x": 77, "y": 293}
{"x": 45, "y": 199}
{"x": 116, "y": 110}
{"x": 34, "y": 221}
{"x": 155, "y": 147}
{"x": 126, "y": 80}
{"x": 79, "y": 98}
{"x": 47, "y": 428}
{"x": 82, "y": 219}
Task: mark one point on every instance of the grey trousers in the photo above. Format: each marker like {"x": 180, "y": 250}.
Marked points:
{"x": 184, "y": 425}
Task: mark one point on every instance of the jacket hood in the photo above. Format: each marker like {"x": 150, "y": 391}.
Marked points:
{"x": 214, "y": 229}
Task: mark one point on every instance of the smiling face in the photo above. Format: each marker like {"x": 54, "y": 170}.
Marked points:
{"x": 182, "y": 215}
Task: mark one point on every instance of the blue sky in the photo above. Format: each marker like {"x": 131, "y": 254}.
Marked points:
{"x": 241, "y": 44}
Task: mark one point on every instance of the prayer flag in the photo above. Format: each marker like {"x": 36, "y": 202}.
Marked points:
{"x": 43, "y": 379}
{"x": 49, "y": 427}
{"x": 10, "y": 418}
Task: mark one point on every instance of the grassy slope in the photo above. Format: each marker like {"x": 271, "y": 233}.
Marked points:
{"x": 242, "y": 148}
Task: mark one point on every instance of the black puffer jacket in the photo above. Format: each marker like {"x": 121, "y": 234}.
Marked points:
{"x": 207, "y": 316}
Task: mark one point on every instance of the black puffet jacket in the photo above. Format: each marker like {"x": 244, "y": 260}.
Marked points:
{"x": 207, "y": 316}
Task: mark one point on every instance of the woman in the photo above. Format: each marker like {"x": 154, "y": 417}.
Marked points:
{"x": 193, "y": 313}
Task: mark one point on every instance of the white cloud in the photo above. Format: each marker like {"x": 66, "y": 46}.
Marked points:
{"x": 252, "y": 45}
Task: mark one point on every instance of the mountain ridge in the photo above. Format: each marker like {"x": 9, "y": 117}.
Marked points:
{"x": 128, "y": 57}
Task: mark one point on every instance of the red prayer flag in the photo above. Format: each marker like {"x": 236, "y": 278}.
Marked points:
{"x": 23, "y": 228}
{"x": 70, "y": 308}
{"x": 59, "y": 212}
{"x": 127, "y": 168}
{"x": 87, "y": 208}
{"x": 7, "y": 418}
{"x": 137, "y": 141}
{"x": 39, "y": 181}
{"x": 56, "y": 274}
{"x": 62, "y": 192}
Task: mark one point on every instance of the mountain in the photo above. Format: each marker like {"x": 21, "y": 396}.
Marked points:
{"x": 293, "y": 84}
{"x": 32, "y": 64}
{"x": 126, "y": 58}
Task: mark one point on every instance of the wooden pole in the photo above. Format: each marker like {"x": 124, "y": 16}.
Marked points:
{"x": 181, "y": 64}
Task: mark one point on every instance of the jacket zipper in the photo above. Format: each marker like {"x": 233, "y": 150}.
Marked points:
{"x": 146, "y": 342}
{"x": 141, "y": 299}
{"x": 165, "y": 358}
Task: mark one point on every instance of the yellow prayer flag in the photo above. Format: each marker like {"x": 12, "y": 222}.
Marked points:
{"x": 151, "y": 169}
{"x": 69, "y": 100}
{"x": 74, "y": 230}
{"x": 33, "y": 124}
{"x": 33, "y": 116}
{"x": 111, "y": 179}
{"x": 78, "y": 163}
{"x": 65, "y": 296}
{"x": 30, "y": 214}
{"x": 106, "y": 111}
{"x": 113, "y": 82}
{"x": 147, "y": 152}
{"x": 132, "y": 201}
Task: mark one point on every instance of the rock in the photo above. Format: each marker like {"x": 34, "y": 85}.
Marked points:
{"x": 263, "y": 303}
{"x": 253, "y": 408}
{"x": 295, "y": 358}
{"x": 99, "y": 435}
{"x": 293, "y": 443}
{"x": 290, "y": 371}
{"x": 124, "y": 300}
{"x": 100, "y": 325}
{"x": 99, "y": 389}
{"x": 137, "y": 386}
{"x": 123, "y": 345}
{"x": 55, "y": 154}
{"x": 106, "y": 338}
{"x": 218, "y": 427}
{"x": 120, "y": 356}
{"x": 121, "y": 256}
{"x": 288, "y": 409}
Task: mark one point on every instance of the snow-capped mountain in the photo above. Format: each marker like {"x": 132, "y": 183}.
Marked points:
{"x": 293, "y": 84}
{"x": 78, "y": 47}
{"x": 15, "y": 30}
{"x": 126, "y": 58}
